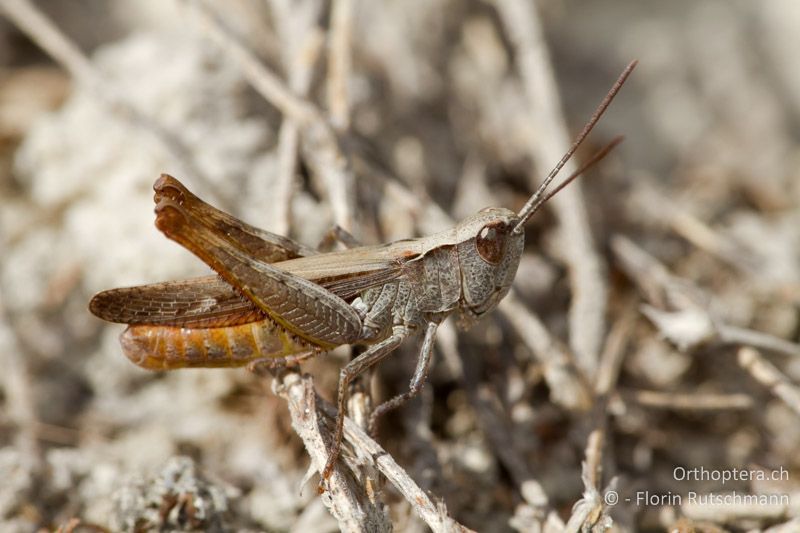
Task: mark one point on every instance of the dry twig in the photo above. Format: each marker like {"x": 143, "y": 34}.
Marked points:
{"x": 683, "y": 401}
{"x": 341, "y": 34}
{"x": 588, "y": 513}
{"x": 347, "y": 501}
{"x": 605, "y": 383}
{"x": 769, "y": 376}
{"x": 305, "y": 407}
{"x": 300, "y": 56}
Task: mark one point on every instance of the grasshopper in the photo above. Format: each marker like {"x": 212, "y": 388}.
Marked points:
{"x": 276, "y": 302}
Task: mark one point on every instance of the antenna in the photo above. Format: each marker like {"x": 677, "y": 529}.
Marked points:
{"x": 537, "y": 199}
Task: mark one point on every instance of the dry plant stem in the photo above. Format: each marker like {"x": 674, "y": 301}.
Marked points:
{"x": 578, "y": 517}
{"x": 769, "y": 376}
{"x": 614, "y": 351}
{"x": 301, "y": 69}
{"x": 447, "y": 341}
{"x": 327, "y": 161}
{"x": 288, "y": 143}
{"x": 606, "y": 381}
{"x": 339, "y": 63}
{"x": 431, "y": 217}
{"x": 688, "y": 401}
{"x": 322, "y": 149}
{"x": 349, "y": 504}
{"x": 305, "y": 407}
{"x": 756, "y": 339}
{"x": 593, "y": 454}
{"x": 587, "y": 271}
{"x": 650, "y": 275}
{"x": 27, "y": 17}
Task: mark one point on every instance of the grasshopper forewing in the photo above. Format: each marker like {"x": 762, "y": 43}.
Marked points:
{"x": 276, "y": 302}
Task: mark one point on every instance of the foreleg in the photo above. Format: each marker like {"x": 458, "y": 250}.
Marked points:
{"x": 340, "y": 235}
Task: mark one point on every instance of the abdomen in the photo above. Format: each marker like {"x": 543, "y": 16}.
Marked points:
{"x": 171, "y": 347}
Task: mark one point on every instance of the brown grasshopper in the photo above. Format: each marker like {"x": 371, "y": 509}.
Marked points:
{"x": 277, "y": 302}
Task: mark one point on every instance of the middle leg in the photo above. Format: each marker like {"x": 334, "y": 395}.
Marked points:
{"x": 417, "y": 381}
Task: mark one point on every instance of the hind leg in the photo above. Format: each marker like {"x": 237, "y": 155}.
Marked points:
{"x": 264, "y": 365}
{"x": 353, "y": 369}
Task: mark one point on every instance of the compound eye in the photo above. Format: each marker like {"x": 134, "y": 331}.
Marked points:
{"x": 491, "y": 243}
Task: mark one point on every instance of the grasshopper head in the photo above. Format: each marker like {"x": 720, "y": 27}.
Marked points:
{"x": 488, "y": 253}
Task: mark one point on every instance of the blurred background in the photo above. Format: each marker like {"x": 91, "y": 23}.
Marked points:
{"x": 678, "y": 250}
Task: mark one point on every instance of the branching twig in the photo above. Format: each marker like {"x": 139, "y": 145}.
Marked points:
{"x": 614, "y": 351}
{"x": 288, "y": 142}
{"x": 305, "y": 407}
{"x": 346, "y": 501}
{"x": 266, "y": 82}
{"x": 435, "y": 515}
{"x": 662, "y": 208}
{"x": 588, "y": 513}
